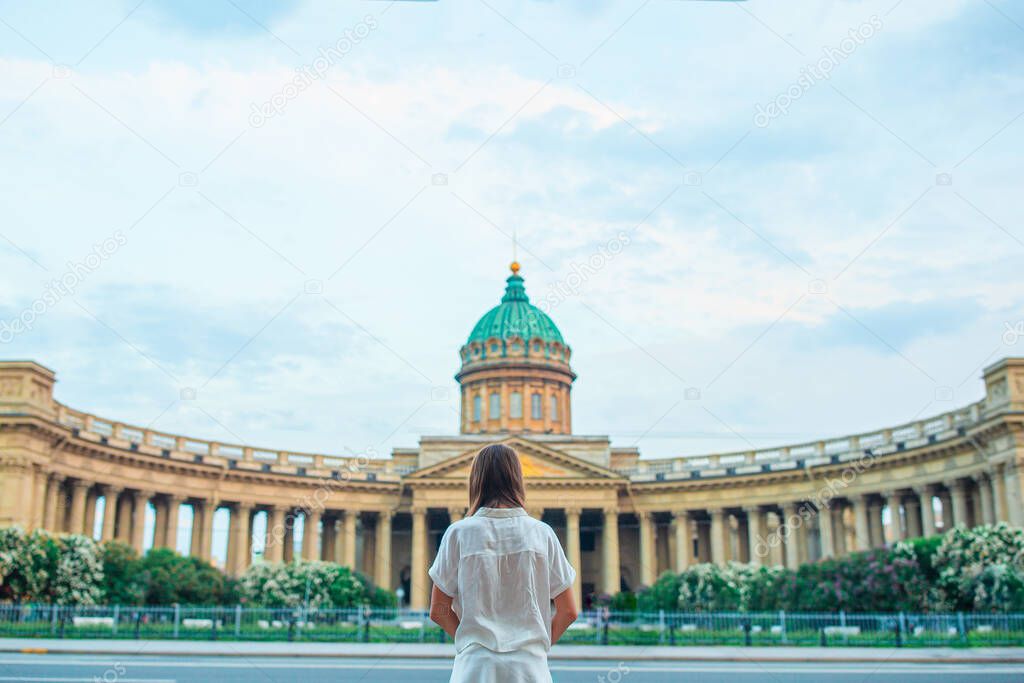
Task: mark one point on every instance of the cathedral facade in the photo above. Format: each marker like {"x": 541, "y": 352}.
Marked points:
{"x": 622, "y": 520}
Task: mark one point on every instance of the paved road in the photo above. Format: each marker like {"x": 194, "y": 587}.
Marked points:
{"x": 50, "y": 668}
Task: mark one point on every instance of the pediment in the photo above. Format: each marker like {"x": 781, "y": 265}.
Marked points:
{"x": 539, "y": 461}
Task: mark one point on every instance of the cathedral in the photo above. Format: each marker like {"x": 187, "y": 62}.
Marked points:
{"x": 622, "y": 519}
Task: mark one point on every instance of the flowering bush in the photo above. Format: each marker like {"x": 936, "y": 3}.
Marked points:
{"x": 78, "y": 576}
{"x": 980, "y": 568}
{"x": 708, "y": 587}
{"x": 298, "y": 583}
{"x": 39, "y": 567}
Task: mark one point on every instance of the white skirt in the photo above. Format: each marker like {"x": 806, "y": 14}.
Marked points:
{"x": 477, "y": 664}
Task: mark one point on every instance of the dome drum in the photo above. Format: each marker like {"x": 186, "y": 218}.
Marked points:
{"x": 515, "y": 374}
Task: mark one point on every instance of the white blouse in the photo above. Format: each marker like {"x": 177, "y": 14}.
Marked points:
{"x": 502, "y": 568}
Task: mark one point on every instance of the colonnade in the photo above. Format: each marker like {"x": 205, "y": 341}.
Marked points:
{"x": 657, "y": 539}
{"x": 71, "y": 506}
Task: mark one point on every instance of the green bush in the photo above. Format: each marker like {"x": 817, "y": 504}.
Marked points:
{"x": 624, "y": 601}
{"x": 122, "y": 570}
{"x": 663, "y": 595}
{"x": 170, "y": 578}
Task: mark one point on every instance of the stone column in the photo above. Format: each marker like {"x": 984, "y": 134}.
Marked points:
{"x": 329, "y": 538}
{"x": 646, "y": 547}
{"x": 893, "y": 499}
{"x": 238, "y": 539}
{"x": 79, "y": 491}
{"x": 915, "y": 523}
{"x": 790, "y": 531}
{"x": 985, "y": 499}
{"x": 572, "y": 550}
{"x": 90, "y": 513}
{"x": 110, "y": 496}
{"x": 684, "y": 540}
{"x": 719, "y": 536}
{"x": 288, "y": 542}
{"x": 756, "y": 541}
{"x": 958, "y": 495}
{"x": 311, "y": 535}
{"x": 173, "y": 514}
{"x": 141, "y": 499}
{"x": 348, "y": 539}
{"x": 420, "y": 581}
{"x": 274, "y": 547}
{"x": 160, "y": 524}
{"x": 53, "y": 493}
{"x": 40, "y": 481}
{"x": 611, "y": 581}
{"x": 1014, "y": 508}
{"x": 877, "y": 529}
{"x": 209, "y": 510}
{"x": 825, "y": 532}
{"x": 861, "y": 522}
{"x": 998, "y": 493}
{"x": 382, "y": 561}
{"x": 196, "y": 535}
{"x": 924, "y": 494}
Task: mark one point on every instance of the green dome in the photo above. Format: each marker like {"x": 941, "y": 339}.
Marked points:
{"x": 515, "y": 316}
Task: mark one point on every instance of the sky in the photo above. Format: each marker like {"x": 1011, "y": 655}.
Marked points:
{"x": 274, "y": 223}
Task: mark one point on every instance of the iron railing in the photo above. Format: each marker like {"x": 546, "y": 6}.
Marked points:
{"x": 593, "y": 627}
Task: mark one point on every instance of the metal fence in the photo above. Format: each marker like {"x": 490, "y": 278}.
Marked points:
{"x": 599, "y": 627}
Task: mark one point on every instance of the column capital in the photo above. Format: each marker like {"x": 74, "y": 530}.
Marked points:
{"x": 111, "y": 488}
{"x": 572, "y": 511}
{"x": 924, "y": 489}
{"x": 911, "y": 502}
{"x": 144, "y": 494}
{"x": 57, "y": 477}
{"x": 454, "y": 512}
{"x": 980, "y": 477}
{"x": 386, "y": 513}
{"x": 81, "y": 484}
{"x": 953, "y": 484}
{"x": 175, "y": 498}
{"x": 681, "y": 515}
{"x": 751, "y": 509}
{"x": 243, "y": 506}
{"x": 610, "y": 510}
{"x": 644, "y": 515}
{"x": 415, "y": 510}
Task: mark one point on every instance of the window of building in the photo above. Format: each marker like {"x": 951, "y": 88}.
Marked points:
{"x": 515, "y": 406}
{"x": 477, "y": 407}
{"x": 495, "y": 411}
{"x": 535, "y": 406}
{"x": 554, "y": 408}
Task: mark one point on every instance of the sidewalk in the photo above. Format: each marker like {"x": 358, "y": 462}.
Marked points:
{"x": 177, "y": 648}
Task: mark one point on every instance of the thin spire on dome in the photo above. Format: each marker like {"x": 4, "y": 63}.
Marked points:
{"x": 514, "y": 266}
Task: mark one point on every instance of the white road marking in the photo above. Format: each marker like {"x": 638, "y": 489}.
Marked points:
{"x": 839, "y": 668}
{"x": 84, "y": 680}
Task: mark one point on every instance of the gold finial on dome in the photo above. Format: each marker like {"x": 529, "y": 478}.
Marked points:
{"x": 514, "y": 267}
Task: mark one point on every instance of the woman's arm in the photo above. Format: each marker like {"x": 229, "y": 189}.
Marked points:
{"x": 565, "y": 614}
{"x": 441, "y": 612}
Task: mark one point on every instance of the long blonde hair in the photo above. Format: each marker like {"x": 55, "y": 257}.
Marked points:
{"x": 496, "y": 478}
